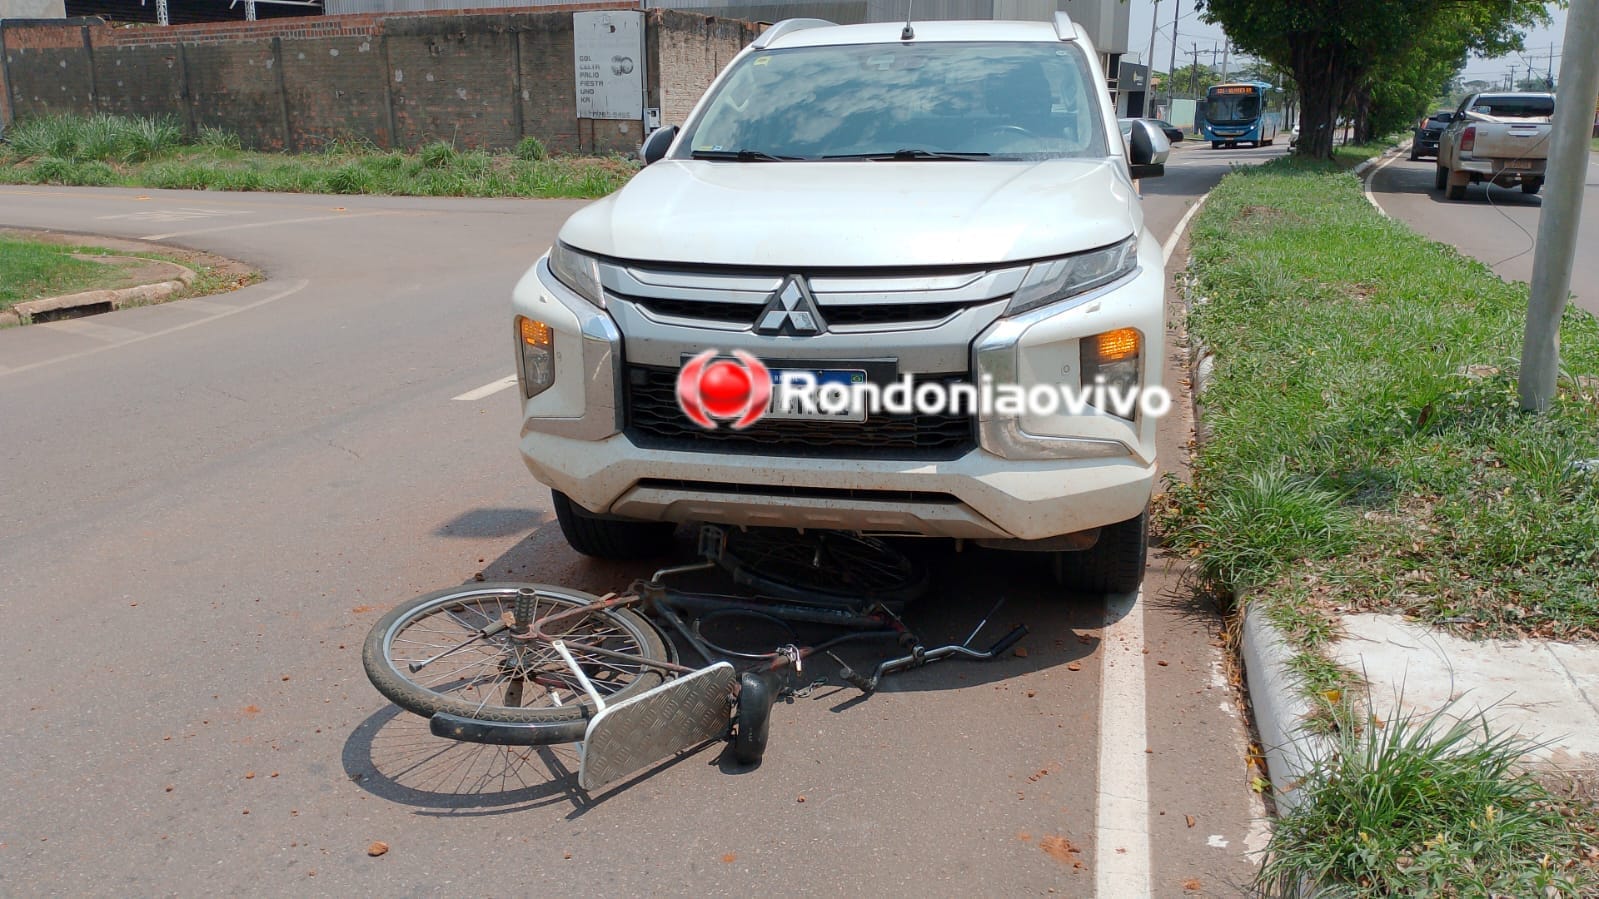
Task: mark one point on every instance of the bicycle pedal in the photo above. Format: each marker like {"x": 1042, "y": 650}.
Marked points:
{"x": 655, "y": 725}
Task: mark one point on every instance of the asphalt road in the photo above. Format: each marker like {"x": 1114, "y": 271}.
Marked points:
{"x": 206, "y": 504}
{"x": 1493, "y": 224}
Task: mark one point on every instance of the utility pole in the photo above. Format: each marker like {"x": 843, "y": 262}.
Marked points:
{"x": 1149, "y": 64}
{"x": 1176, "y": 8}
{"x": 1512, "y": 76}
{"x": 1224, "y": 51}
{"x": 1562, "y": 206}
{"x": 1193, "y": 71}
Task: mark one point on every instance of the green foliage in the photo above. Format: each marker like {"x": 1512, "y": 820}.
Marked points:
{"x": 106, "y": 150}
{"x": 1428, "y": 805}
{"x": 1340, "y": 52}
{"x": 1365, "y": 428}
{"x": 438, "y": 155}
{"x": 530, "y": 149}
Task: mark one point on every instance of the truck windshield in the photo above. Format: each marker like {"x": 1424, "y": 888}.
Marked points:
{"x": 1232, "y": 108}
{"x": 929, "y": 101}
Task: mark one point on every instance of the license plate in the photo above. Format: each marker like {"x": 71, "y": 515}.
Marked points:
{"x": 1519, "y": 164}
{"x": 795, "y": 410}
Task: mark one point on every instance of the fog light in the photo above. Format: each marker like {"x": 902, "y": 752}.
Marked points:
{"x": 537, "y": 344}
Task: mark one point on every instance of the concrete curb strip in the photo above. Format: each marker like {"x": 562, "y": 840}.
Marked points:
{"x": 125, "y": 296}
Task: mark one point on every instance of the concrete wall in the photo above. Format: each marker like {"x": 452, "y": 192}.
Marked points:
{"x": 483, "y": 79}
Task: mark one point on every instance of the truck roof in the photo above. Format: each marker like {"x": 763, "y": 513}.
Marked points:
{"x": 926, "y": 32}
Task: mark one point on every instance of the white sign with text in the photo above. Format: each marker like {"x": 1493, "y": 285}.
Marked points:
{"x": 609, "y": 50}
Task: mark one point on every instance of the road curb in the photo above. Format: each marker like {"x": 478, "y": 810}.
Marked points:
{"x": 1277, "y": 700}
{"x": 22, "y": 313}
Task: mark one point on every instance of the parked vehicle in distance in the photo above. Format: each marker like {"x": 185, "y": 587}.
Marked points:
{"x": 1172, "y": 132}
{"x": 948, "y": 202}
{"x": 1428, "y": 131}
{"x": 1500, "y": 138}
{"x": 1236, "y": 113}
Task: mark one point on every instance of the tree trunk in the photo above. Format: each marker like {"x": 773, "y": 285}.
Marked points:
{"x": 1362, "y": 110}
{"x": 1323, "y": 78}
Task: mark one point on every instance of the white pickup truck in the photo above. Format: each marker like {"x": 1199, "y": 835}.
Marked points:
{"x": 1499, "y": 138}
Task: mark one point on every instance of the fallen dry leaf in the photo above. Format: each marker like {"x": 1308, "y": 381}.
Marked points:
{"x": 1193, "y": 885}
{"x": 377, "y": 848}
{"x": 1074, "y": 666}
{"x": 1021, "y": 652}
{"x": 729, "y": 858}
{"x": 1190, "y": 820}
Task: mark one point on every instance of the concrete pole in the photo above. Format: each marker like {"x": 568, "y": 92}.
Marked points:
{"x": 1562, "y": 206}
{"x": 1224, "y": 50}
{"x": 1149, "y": 64}
{"x": 1176, "y": 7}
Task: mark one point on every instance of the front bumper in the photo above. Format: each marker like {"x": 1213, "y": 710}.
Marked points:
{"x": 1064, "y": 475}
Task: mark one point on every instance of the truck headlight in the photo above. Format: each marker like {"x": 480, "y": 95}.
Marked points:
{"x": 1058, "y": 279}
{"x": 578, "y": 271}
{"x": 536, "y": 354}
{"x": 1113, "y": 357}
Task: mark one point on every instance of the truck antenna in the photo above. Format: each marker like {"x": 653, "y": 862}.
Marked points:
{"x": 909, "y": 34}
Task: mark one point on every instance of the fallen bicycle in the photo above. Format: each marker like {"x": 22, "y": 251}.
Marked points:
{"x": 533, "y": 665}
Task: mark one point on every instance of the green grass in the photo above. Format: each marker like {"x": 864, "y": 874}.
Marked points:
{"x": 1367, "y": 448}
{"x": 1427, "y": 806}
{"x": 1350, "y": 155}
{"x": 114, "y": 151}
{"x": 30, "y": 270}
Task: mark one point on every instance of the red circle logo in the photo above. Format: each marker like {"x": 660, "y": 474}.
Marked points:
{"x": 737, "y": 388}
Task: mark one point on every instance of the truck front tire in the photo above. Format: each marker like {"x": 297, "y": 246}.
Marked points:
{"x": 1114, "y": 564}
{"x": 610, "y": 538}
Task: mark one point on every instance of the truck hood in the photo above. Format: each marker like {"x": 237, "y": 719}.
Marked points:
{"x": 859, "y": 214}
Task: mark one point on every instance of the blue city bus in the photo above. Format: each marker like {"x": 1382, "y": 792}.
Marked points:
{"x": 1236, "y": 113}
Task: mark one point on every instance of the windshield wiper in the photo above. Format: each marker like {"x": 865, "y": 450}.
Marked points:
{"x": 740, "y": 155}
{"x": 911, "y": 153}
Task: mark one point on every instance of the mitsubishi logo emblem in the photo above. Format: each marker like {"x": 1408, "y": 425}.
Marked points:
{"x": 791, "y": 311}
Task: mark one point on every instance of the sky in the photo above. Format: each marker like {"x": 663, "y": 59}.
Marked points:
{"x": 1192, "y": 31}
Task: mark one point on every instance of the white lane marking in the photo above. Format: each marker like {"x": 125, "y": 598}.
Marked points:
{"x": 1170, "y": 246}
{"x": 1216, "y": 841}
{"x": 1121, "y": 841}
{"x": 313, "y": 218}
{"x": 1371, "y": 176}
{"x": 183, "y": 214}
{"x": 488, "y": 389}
{"x": 294, "y": 288}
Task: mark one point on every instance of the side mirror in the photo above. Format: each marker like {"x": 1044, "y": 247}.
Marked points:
{"x": 1147, "y": 149}
{"x": 656, "y": 145}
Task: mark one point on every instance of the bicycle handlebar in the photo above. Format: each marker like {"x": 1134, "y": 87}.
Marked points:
{"x": 921, "y": 656}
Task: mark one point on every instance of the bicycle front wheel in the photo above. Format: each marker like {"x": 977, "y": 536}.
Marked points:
{"x": 447, "y": 651}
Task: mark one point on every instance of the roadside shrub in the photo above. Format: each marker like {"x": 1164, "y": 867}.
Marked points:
{"x": 239, "y": 179}
{"x": 1251, "y": 526}
{"x": 93, "y": 173}
{"x": 475, "y": 164}
{"x": 530, "y": 149}
{"x": 438, "y": 155}
{"x": 1430, "y": 805}
{"x": 181, "y": 176}
{"x": 50, "y": 170}
{"x": 217, "y": 139}
{"x": 350, "y": 178}
{"x": 51, "y": 136}
{"x": 142, "y": 139}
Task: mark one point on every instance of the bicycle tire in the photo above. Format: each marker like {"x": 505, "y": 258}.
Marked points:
{"x": 827, "y": 567}
{"x": 613, "y": 628}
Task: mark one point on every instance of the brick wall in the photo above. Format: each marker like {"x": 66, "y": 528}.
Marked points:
{"x": 689, "y": 51}
{"x": 480, "y": 78}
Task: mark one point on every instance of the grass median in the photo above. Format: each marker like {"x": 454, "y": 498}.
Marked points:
{"x": 1367, "y": 452}
{"x": 105, "y": 150}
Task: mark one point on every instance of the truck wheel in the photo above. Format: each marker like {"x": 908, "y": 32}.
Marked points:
{"x": 1531, "y": 187}
{"x": 1114, "y": 564}
{"x": 1454, "y": 190}
{"x": 1440, "y": 178}
{"x": 1414, "y": 155}
{"x": 610, "y": 538}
